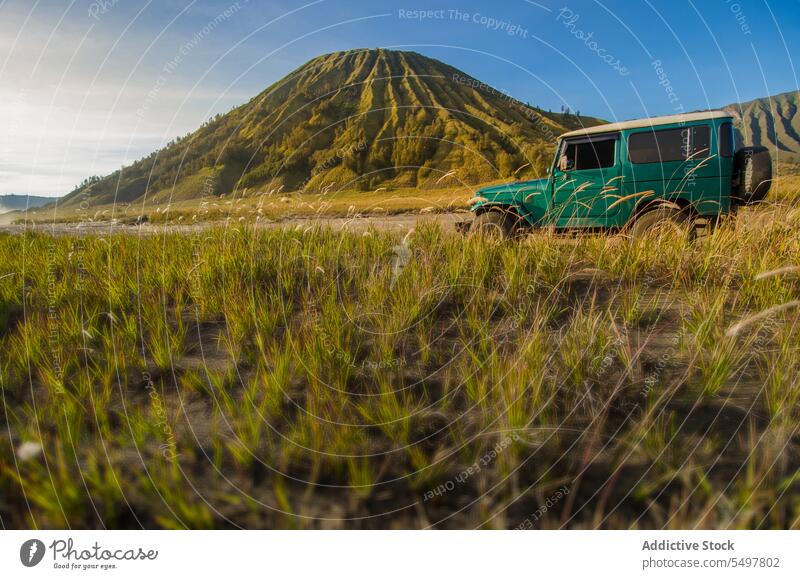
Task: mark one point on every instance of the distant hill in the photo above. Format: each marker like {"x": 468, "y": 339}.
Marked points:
{"x": 353, "y": 120}
{"x": 22, "y": 202}
{"x": 772, "y": 121}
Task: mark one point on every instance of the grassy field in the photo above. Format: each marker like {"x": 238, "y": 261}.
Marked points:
{"x": 253, "y": 207}
{"x": 312, "y": 379}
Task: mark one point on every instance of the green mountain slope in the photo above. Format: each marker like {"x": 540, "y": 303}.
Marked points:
{"x": 773, "y": 122}
{"x": 349, "y": 120}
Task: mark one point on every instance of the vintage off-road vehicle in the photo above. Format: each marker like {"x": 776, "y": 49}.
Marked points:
{"x": 633, "y": 177}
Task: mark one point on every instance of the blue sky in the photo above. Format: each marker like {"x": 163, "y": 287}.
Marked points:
{"x": 83, "y": 87}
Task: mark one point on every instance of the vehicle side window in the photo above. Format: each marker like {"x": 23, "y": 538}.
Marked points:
{"x": 658, "y": 146}
{"x": 701, "y": 142}
{"x": 726, "y": 140}
{"x": 595, "y": 154}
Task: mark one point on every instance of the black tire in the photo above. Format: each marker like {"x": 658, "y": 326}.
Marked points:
{"x": 499, "y": 224}
{"x": 752, "y": 175}
{"x": 659, "y": 220}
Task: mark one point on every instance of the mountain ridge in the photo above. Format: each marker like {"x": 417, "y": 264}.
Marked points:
{"x": 772, "y": 121}
{"x": 16, "y": 202}
{"x": 357, "y": 119}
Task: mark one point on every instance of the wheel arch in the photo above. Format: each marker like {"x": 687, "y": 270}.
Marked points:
{"x": 499, "y": 207}
{"x": 648, "y": 205}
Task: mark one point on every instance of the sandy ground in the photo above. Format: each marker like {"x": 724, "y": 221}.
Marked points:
{"x": 401, "y": 223}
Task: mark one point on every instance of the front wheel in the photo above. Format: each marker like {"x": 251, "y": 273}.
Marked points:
{"x": 496, "y": 224}
{"x": 661, "y": 221}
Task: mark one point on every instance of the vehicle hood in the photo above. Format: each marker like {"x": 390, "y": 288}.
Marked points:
{"x": 517, "y": 193}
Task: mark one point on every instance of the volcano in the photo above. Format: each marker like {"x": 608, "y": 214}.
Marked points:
{"x": 354, "y": 120}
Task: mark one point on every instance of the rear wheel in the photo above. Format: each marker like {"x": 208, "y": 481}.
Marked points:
{"x": 496, "y": 224}
{"x": 661, "y": 221}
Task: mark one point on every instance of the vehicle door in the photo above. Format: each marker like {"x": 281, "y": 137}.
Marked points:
{"x": 586, "y": 180}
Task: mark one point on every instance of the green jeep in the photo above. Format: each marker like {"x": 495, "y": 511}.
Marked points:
{"x": 633, "y": 177}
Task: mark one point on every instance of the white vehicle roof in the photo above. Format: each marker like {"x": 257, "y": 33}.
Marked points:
{"x": 651, "y": 122}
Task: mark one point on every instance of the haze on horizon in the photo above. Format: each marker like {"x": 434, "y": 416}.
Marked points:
{"x": 95, "y": 85}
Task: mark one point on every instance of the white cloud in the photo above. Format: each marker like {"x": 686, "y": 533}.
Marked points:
{"x": 72, "y": 102}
